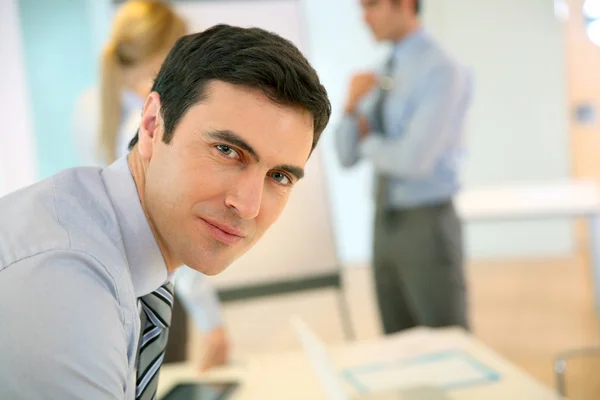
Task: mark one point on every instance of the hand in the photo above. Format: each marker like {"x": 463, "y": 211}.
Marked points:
{"x": 217, "y": 349}
{"x": 363, "y": 127}
{"x": 360, "y": 85}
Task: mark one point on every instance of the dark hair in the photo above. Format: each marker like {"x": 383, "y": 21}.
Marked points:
{"x": 249, "y": 57}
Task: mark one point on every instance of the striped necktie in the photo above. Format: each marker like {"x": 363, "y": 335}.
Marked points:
{"x": 155, "y": 321}
{"x": 379, "y": 126}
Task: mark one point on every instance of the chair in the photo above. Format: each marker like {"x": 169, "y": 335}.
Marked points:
{"x": 577, "y": 373}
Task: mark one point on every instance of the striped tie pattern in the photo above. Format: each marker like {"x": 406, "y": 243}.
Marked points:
{"x": 379, "y": 127}
{"x": 155, "y": 321}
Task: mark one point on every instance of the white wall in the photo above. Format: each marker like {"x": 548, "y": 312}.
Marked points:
{"x": 337, "y": 47}
{"x": 516, "y": 51}
{"x": 17, "y": 158}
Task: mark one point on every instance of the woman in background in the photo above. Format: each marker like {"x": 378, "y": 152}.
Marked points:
{"x": 142, "y": 34}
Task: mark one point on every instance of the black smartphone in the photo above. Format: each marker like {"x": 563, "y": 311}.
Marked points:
{"x": 201, "y": 391}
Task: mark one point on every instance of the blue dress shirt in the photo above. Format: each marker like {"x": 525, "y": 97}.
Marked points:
{"x": 76, "y": 252}
{"x": 424, "y": 120}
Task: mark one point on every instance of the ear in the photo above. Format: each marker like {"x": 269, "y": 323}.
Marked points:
{"x": 151, "y": 127}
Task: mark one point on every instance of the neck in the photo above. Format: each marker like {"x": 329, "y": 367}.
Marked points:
{"x": 138, "y": 168}
{"x": 411, "y": 27}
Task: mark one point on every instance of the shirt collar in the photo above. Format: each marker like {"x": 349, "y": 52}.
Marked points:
{"x": 146, "y": 263}
{"x": 407, "y": 45}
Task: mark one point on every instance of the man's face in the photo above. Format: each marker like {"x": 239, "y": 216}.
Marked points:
{"x": 385, "y": 18}
{"x": 226, "y": 175}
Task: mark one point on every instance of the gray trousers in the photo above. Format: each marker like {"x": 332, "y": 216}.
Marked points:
{"x": 418, "y": 267}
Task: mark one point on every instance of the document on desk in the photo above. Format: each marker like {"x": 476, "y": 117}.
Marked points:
{"x": 447, "y": 370}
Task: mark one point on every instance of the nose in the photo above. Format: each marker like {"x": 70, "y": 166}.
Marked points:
{"x": 245, "y": 196}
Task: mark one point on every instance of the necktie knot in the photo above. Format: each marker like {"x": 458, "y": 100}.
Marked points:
{"x": 158, "y": 305}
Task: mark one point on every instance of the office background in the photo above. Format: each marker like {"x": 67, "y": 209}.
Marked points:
{"x": 533, "y": 68}
{"x": 520, "y": 109}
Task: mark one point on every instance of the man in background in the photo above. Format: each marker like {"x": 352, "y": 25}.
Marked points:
{"x": 408, "y": 120}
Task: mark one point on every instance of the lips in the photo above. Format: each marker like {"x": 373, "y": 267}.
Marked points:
{"x": 223, "y": 232}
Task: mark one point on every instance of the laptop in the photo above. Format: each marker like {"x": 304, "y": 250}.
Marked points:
{"x": 332, "y": 383}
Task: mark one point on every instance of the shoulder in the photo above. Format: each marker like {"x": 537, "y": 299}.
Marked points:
{"x": 67, "y": 306}
{"x": 68, "y": 211}
{"x": 435, "y": 69}
{"x": 442, "y": 62}
{"x": 63, "y": 274}
{"x": 64, "y": 222}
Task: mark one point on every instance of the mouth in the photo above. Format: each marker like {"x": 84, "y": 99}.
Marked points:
{"x": 222, "y": 232}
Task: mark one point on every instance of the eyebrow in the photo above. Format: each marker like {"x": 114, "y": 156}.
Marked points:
{"x": 296, "y": 171}
{"x": 234, "y": 139}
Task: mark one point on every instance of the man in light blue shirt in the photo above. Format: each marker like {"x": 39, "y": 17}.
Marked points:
{"x": 87, "y": 257}
{"x": 408, "y": 121}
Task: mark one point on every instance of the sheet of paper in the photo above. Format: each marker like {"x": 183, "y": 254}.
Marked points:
{"x": 445, "y": 370}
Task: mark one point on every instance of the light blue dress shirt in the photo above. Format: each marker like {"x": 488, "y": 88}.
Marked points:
{"x": 424, "y": 121}
{"x": 193, "y": 289}
{"x": 76, "y": 252}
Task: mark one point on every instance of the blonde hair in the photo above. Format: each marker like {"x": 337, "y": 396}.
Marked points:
{"x": 142, "y": 30}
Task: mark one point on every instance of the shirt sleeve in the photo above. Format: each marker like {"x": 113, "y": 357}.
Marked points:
{"x": 199, "y": 298}
{"x": 346, "y": 141}
{"x": 61, "y": 330}
{"x": 413, "y": 155}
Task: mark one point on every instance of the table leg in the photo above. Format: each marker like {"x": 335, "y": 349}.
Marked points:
{"x": 594, "y": 249}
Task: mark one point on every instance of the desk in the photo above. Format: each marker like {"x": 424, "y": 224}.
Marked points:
{"x": 289, "y": 375}
{"x": 570, "y": 199}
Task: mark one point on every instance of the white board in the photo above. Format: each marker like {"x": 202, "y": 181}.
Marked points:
{"x": 301, "y": 243}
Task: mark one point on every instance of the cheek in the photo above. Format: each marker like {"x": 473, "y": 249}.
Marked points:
{"x": 202, "y": 187}
{"x": 174, "y": 190}
{"x": 202, "y": 178}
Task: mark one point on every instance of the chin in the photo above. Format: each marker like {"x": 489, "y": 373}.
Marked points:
{"x": 375, "y": 35}
{"x": 214, "y": 271}
{"x": 210, "y": 268}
